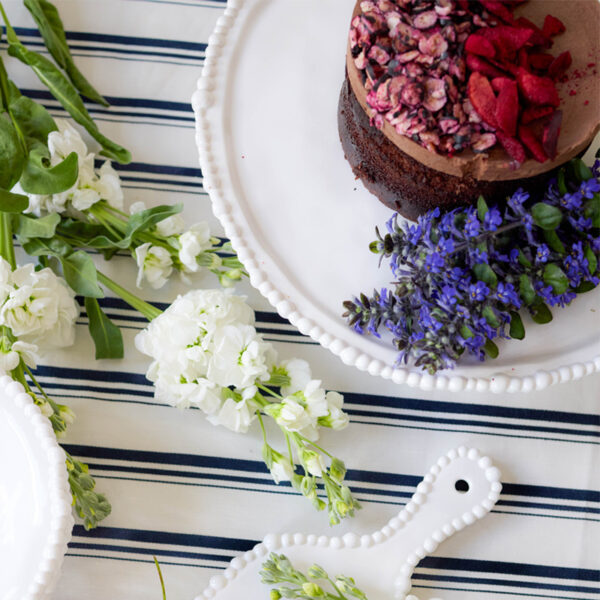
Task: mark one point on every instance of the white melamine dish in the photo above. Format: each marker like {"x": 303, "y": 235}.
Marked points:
{"x": 266, "y": 117}
{"x": 35, "y": 503}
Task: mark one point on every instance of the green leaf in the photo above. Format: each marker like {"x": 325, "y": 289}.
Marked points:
{"x": 12, "y": 203}
{"x": 554, "y": 242}
{"x": 50, "y": 25}
{"x": 524, "y": 260}
{"x": 546, "y": 216}
{"x": 585, "y": 286}
{"x": 39, "y": 177}
{"x": 484, "y": 273}
{"x": 33, "y": 119}
{"x": 490, "y": 349}
{"x": 482, "y": 208}
{"x": 145, "y": 219}
{"x": 517, "y": 330}
{"x": 12, "y": 155}
{"x": 490, "y": 316}
{"x": 466, "y": 332}
{"x": 562, "y": 187}
{"x": 592, "y": 210}
{"x": 67, "y": 95}
{"x": 592, "y": 259}
{"x": 27, "y": 228}
{"x": 106, "y": 335}
{"x": 540, "y": 313}
{"x": 526, "y": 290}
{"x": 581, "y": 171}
{"x": 80, "y": 273}
{"x": 50, "y": 247}
{"x": 555, "y": 277}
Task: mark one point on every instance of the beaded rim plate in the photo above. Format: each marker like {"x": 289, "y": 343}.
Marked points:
{"x": 35, "y": 503}
{"x": 459, "y": 489}
{"x": 274, "y": 168}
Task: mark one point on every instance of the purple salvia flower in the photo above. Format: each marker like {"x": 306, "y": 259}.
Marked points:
{"x": 506, "y": 293}
{"x": 571, "y": 201}
{"x": 589, "y": 188}
{"x": 542, "y": 254}
{"x": 472, "y": 224}
{"x": 492, "y": 220}
{"x": 478, "y": 291}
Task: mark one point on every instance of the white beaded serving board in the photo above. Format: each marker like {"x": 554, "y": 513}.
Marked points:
{"x": 459, "y": 489}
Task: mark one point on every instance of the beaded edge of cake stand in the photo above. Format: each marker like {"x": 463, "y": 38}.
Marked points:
{"x": 273, "y": 542}
{"x": 209, "y": 86}
{"x": 60, "y": 513}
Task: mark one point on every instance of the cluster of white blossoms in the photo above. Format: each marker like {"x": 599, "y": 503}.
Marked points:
{"x": 155, "y": 263}
{"x": 40, "y": 310}
{"x": 207, "y": 353}
{"x": 91, "y": 186}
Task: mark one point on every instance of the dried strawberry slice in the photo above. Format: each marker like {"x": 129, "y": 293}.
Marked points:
{"x": 538, "y": 90}
{"x": 537, "y": 37}
{"x": 507, "y": 107}
{"x": 507, "y": 40}
{"x": 550, "y": 134}
{"x": 480, "y": 65}
{"x": 540, "y": 61}
{"x": 532, "y": 113}
{"x": 513, "y": 147}
{"x": 498, "y": 9}
{"x": 552, "y": 26}
{"x": 532, "y": 144}
{"x": 498, "y": 83}
{"x": 559, "y": 65}
{"x": 482, "y": 98}
{"x": 477, "y": 44}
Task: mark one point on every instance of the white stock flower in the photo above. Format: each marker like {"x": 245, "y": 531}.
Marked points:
{"x": 299, "y": 373}
{"x": 173, "y": 225}
{"x": 314, "y": 396}
{"x": 137, "y": 207}
{"x": 154, "y": 264}
{"x": 39, "y": 307}
{"x": 236, "y": 416}
{"x": 194, "y": 242}
{"x": 314, "y": 463}
{"x": 91, "y": 185}
{"x": 240, "y": 356}
{"x": 203, "y": 341}
{"x": 281, "y": 469}
{"x": 293, "y": 416}
{"x": 337, "y": 418}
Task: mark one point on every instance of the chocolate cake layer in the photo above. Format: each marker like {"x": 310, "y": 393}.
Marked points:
{"x": 399, "y": 181}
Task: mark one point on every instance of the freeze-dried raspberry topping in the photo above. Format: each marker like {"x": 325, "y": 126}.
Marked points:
{"x": 458, "y": 74}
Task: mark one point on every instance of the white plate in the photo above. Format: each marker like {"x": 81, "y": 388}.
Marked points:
{"x": 35, "y": 503}
{"x": 266, "y": 115}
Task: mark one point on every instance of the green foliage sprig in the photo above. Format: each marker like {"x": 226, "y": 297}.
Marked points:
{"x": 316, "y": 583}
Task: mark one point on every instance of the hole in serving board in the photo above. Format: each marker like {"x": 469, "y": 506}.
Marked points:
{"x": 461, "y": 486}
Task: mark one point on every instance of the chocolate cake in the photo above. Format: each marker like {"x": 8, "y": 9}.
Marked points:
{"x": 414, "y": 112}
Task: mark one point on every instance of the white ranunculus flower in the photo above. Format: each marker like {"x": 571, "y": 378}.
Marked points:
{"x": 173, "y": 225}
{"x": 40, "y": 308}
{"x": 239, "y": 356}
{"x": 154, "y": 264}
{"x": 194, "y": 242}
{"x": 299, "y": 373}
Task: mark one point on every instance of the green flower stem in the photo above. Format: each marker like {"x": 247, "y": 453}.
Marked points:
{"x": 144, "y": 308}
{"x": 269, "y": 391}
{"x": 7, "y": 250}
{"x": 305, "y": 441}
{"x": 160, "y": 577}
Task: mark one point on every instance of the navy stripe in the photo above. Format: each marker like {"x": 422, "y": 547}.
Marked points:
{"x": 474, "y": 409}
{"x": 547, "y": 506}
{"x": 140, "y": 167}
{"x": 150, "y": 551}
{"x": 508, "y": 568}
{"x": 512, "y": 426}
{"x": 125, "y": 40}
{"x": 164, "y": 537}
{"x": 124, "y": 102}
